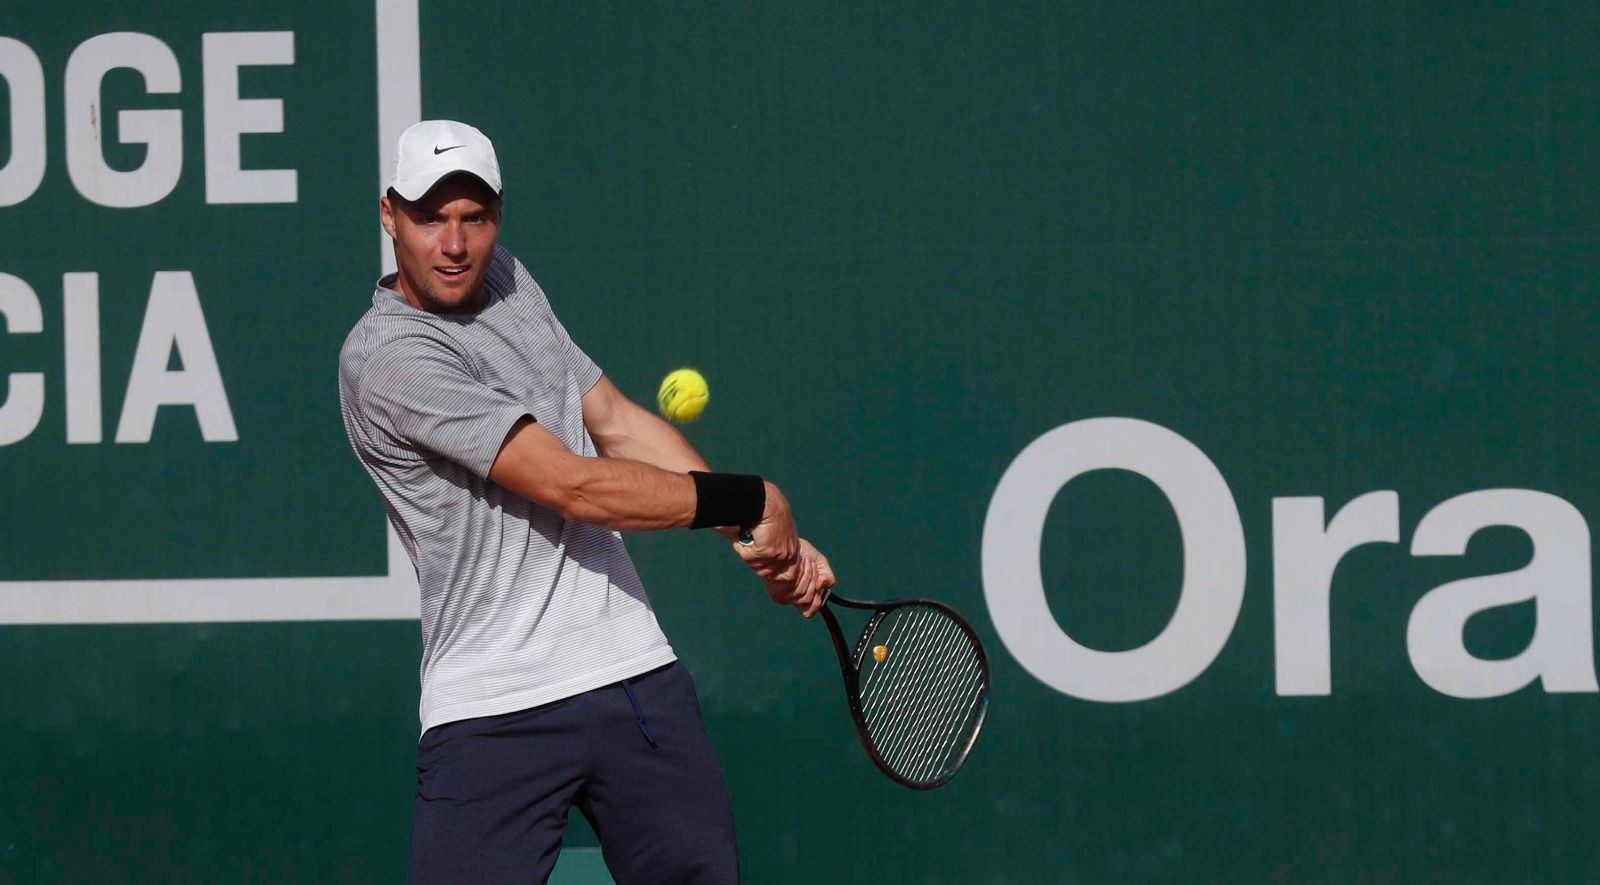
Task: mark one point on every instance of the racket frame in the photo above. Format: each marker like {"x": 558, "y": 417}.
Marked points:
{"x": 850, "y": 671}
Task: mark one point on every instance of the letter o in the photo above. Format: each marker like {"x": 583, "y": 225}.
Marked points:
{"x": 86, "y": 123}
{"x": 1213, "y": 551}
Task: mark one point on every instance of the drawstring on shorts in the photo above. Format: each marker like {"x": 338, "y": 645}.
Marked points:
{"x": 638, "y": 713}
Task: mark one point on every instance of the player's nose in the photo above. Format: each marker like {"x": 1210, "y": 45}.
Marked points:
{"x": 453, "y": 241}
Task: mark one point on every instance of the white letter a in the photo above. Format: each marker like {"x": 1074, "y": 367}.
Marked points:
{"x": 1557, "y": 577}
{"x": 173, "y": 319}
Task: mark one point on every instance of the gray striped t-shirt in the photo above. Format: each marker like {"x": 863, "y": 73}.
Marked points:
{"x": 519, "y": 606}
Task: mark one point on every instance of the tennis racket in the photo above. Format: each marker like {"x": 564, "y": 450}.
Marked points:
{"x": 917, "y": 681}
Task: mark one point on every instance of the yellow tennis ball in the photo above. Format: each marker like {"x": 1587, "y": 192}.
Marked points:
{"x": 683, "y": 395}
{"x": 880, "y": 653}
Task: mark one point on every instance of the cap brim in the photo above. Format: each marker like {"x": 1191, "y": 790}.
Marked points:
{"x": 417, "y": 189}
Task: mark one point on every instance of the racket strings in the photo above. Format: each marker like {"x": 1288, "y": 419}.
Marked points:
{"x": 923, "y": 703}
{"x": 923, "y": 727}
{"x": 891, "y": 642}
{"x": 946, "y": 723}
{"x": 941, "y": 729}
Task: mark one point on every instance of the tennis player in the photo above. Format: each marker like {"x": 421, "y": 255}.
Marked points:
{"x": 508, "y": 464}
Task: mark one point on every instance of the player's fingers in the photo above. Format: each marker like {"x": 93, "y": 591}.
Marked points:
{"x": 774, "y": 548}
{"x": 826, "y": 580}
{"x": 806, "y": 587}
{"x": 781, "y": 538}
{"x": 819, "y": 592}
{"x": 780, "y": 592}
{"x": 769, "y": 570}
{"x": 789, "y": 571}
{"x": 817, "y": 601}
{"x": 803, "y": 577}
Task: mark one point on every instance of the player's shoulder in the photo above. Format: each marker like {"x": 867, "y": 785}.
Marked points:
{"x": 504, "y": 268}
{"x": 510, "y": 278}
{"x": 388, "y": 330}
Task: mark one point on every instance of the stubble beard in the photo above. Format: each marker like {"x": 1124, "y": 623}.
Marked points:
{"x": 428, "y": 295}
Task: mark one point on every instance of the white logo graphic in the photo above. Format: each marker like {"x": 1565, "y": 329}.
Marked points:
{"x": 174, "y": 322}
{"x": 1306, "y": 551}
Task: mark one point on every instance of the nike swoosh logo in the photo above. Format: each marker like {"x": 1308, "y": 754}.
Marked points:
{"x": 439, "y": 150}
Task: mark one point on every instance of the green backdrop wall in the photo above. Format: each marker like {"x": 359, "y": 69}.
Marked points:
{"x": 1337, "y": 250}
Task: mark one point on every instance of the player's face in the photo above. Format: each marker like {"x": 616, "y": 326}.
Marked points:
{"x": 443, "y": 243}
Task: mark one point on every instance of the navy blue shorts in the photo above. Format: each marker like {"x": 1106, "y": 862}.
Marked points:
{"x": 493, "y": 793}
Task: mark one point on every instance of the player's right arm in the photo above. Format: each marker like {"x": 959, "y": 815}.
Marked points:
{"x": 619, "y": 493}
{"x": 634, "y": 496}
{"x": 612, "y": 492}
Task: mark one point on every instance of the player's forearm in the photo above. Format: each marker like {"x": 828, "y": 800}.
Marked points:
{"x": 621, "y": 494}
{"x": 631, "y": 496}
{"x": 615, "y": 493}
{"x": 645, "y": 437}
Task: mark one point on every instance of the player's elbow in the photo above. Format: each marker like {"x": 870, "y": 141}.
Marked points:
{"x": 547, "y": 474}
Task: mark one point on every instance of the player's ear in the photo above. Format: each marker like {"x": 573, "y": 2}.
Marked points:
{"x": 386, "y": 214}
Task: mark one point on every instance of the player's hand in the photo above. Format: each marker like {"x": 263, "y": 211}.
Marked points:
{"x": 825, "y": 579}
{"x": 776, "y": 552}
{"x": 808, "y": 592}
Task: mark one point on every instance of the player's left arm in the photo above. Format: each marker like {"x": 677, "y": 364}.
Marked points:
{"x": 622, "y": 428}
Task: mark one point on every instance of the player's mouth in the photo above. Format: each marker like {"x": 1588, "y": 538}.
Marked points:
{"x": 452, "y": 272}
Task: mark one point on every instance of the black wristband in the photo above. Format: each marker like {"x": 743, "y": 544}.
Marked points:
{"x": 735, "y": 499}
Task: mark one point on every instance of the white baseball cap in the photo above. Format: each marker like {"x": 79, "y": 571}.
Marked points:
{"x": 432, "y": 149}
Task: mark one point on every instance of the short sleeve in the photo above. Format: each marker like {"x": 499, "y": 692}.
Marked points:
{"x": 584, "y": 371}
{"x": 422, "y": 393}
